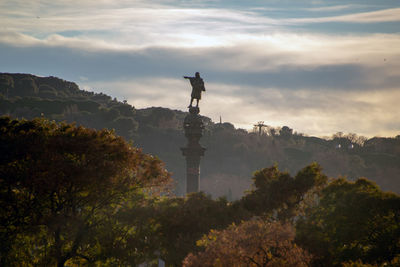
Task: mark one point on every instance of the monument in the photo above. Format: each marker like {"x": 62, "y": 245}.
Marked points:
{"x": 193, "y": 127}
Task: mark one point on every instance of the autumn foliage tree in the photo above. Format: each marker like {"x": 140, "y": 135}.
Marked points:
{"x": 251, "y": 243}
{"x": 61, "y": 186}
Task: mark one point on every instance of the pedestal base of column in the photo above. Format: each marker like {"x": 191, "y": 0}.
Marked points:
{"x": 193, "y": 155}
{"x": 192, "y": 179}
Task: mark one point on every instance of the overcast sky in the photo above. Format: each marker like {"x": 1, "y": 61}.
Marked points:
{"x": 318, "y": 67}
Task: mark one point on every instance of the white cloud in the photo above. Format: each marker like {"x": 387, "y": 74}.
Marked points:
{"x": 157, "y": 19}
{"x": 330, "y": 8}
{"x": 385, "y": 15}
{"x": 146, "y": 92}
{"x": 144, "y": 24}
{"x": 251, "y": 53}
{"x": 320, "y": 113}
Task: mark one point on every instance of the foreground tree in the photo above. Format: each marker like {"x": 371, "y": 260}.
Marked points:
{"x": 354, "y": 221}
{"x": 278, "y": 193}
{"x": 252, "y": 243}
{"x": 62, "y": 187}
{"x": 181, "y": 221}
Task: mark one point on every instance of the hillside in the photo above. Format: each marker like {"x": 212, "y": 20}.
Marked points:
{"x": 232, "y": 154}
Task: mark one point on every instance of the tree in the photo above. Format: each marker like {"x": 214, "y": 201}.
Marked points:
{"x": 353, "y": 221}
{"x": 6, "y": 83}
{"x": 252, "y": 243}
{"x": 26, "y": 87}
{"x": 184, "y": 220}
{"x": 46, "y": 91}
{"x": 394, "y": 263}
{"x": 61, "y": 185}
{"x": 286, "y": 132}
{"x": 278, "y": 193}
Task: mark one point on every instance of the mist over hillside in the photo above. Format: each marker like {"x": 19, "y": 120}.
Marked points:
{"x": 232, "y": 154}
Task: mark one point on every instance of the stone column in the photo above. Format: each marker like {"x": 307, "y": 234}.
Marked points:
{"x": 193, "y": 127}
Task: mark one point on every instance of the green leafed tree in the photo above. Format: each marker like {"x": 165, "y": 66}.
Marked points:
{"x": 354, "y": 221}
{"x": 278, "y": 193}
{"x": 182, "y": 221}
{"x": 62, "y": 189}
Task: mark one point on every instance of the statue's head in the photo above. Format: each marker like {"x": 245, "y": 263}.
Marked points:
{"x": 197, "y": 75}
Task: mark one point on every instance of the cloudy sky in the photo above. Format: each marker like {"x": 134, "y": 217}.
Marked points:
{"x": 318, "y": 67}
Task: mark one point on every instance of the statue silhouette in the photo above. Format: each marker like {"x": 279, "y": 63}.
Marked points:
{"x": 197, "y": 87}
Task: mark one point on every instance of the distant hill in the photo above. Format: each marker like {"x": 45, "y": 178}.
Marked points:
{"x": 232, "y": 154}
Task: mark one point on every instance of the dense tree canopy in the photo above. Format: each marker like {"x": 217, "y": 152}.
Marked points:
{"x": 352, "y": 221}
{"x": 278, "y": 193}
{"x": 183, "y": 220}
{"x": 60, "y": 185}
{"x": 252, "y": 243}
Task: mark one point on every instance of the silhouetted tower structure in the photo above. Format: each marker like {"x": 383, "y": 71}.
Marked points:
{"x": 260, "y": 125}
{"x": 193, "y": 127}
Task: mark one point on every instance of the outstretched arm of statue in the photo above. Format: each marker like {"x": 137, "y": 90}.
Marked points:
{"x": 186, "y": 77}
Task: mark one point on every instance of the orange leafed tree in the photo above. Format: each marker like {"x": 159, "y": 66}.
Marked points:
{"x": 252, "y": 243}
